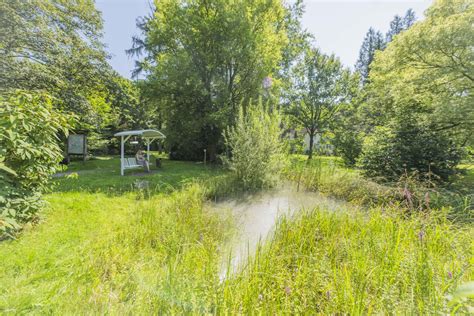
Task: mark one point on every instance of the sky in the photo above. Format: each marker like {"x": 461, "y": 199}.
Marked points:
{"x": 339, "y": 26}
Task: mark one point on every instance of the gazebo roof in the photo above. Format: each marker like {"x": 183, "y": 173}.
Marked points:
{"x": 145, "y": 133}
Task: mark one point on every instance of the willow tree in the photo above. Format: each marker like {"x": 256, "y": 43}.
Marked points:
{"x": 203, "y": 58}
{"x": 320, "y": 86}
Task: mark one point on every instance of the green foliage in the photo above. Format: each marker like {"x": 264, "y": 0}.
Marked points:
{"x": 29, "y": 154}
{"x": 355, "y": 262}
{"x": 256, "y": 153}
{"x": 427, "y": 71}
{"x": 380, "y": 157}
{"x": 408, "y": 147}
{"x": 54, "y": 46}
{"x": 348, "y": 131}
{"x": 203, "y": 59}
{"x": 421, "y": 91}
{"x": 320, "y": 86}
{"x": 373, "y": 41}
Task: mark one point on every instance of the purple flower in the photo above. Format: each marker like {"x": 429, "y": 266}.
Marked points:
{"x": 450, "y": 275}
{"x": 287, "y": 290}
{"x": 421, "y": 235}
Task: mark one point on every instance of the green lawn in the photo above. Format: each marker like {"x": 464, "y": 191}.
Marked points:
{"x": 103, "y": 175}
{"x": 104, "y": 246}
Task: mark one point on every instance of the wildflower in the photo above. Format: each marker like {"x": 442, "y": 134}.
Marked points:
{"x": 450, "y": 275}
{"x": 260, "y": 297}
{"x": 421, "y": 235}
{"x": 287, "y": 290}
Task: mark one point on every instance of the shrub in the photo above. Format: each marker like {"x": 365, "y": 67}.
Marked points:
{"x": 29, "y": 154}
{"x": 256, "y": 148}
{"x": 408, "y": 147}
{"x": 348, "y": 145}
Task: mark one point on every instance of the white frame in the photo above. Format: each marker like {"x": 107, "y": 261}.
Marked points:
{"x": 149, "y": 135}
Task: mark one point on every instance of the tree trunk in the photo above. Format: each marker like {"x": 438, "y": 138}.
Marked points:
{"x": 311, "y": 142}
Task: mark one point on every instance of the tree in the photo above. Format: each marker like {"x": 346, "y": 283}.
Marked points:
{"x": 321, "y": 84}
{"x": 202, "y": 59}
{"x": 425, "y": 77}
{"x": 409, "y": 19}
{"x": 396, "y": 26}
{"x": 53, "y": 46}
{"x": 373, "y": 42}
{"x": 429, "y": 69}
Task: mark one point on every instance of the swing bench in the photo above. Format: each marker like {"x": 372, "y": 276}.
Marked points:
{"x": 148, "y": 135}
{"x": 130, "y": 163}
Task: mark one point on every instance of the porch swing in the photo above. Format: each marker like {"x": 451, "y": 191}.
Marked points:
{"x": 148, "y": 135}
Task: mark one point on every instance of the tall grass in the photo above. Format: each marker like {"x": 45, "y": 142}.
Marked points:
{"x": 142, "y": 253}
{"x": 98, "y": 254}
{"x": 327, "y": 175}
{"x": 354, "y": 263}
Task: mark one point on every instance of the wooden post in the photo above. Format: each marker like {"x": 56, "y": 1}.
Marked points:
{"x": 122, "y": 155}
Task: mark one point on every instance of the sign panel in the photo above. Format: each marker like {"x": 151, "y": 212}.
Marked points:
{"x": 76, "y": 144}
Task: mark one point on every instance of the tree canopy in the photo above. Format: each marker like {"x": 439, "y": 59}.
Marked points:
{"x": 55, "y": 47}
{"x": 429, "y": 70}
{"x": 320, "y": 86}
{"x": 203, "y": 58}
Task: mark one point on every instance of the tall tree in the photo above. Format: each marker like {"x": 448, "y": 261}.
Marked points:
{"x": 409, "y": 19}
{"x": 321, "y": 85}
{"x": 373, "y": 42}
{"x": 53, "y": 46}
{"x": 396, "y": 26}
{"x": 203, "y": 58}
{"x": 423, "y": 83}
{"x": 429, "y": 68}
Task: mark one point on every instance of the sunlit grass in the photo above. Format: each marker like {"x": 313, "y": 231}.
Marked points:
{"x": 106, "y": 246}
{"x": 101, "y": 254}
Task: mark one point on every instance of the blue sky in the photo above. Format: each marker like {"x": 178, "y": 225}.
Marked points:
{"x": 339, "y": 26}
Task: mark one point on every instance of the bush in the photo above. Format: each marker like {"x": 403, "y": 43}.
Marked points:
{"x": 256, "y": 148}
{"x": 29, "y": 154}
{"x": 408, "y": 147}
{"x": 348, "y": 145}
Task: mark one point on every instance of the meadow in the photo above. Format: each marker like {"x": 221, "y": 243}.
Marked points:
{"x": 107, "y": 244}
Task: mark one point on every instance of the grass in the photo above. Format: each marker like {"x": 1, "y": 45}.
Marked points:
{"x": 355, "y": 263}
{"x": 107, "y": 246}
{"x": 103, "y": 175}
{"x": 101, "y": 254}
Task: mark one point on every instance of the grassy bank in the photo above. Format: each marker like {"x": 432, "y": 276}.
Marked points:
{"x": 327, "y": 175}
{"x": 109, "y": 245}
{"x": 355, "y": 263}
{"x": 98, "y": 254}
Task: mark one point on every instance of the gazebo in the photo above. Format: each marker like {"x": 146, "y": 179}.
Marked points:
{"x": 148, "y": 135}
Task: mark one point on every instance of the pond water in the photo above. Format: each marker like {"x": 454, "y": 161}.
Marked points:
{"x": 256, "y": 215}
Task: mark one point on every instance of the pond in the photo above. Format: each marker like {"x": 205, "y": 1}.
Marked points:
{"x": 256, "y": 216}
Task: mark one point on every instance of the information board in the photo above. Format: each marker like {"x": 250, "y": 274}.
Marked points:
{"x": 76, "y": 144}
